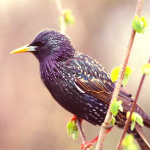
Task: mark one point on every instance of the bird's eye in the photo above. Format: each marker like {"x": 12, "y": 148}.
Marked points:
{"x": 40, "y": 43}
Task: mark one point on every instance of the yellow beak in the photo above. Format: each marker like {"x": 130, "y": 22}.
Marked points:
{"x": 25, "y": 48}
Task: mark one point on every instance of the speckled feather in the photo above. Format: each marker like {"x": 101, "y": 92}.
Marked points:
{"x": 78, "y": 82}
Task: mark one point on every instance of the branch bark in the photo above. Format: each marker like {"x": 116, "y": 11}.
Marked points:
{"x": 60, "y": 8}
{"x": 108, "y": 117}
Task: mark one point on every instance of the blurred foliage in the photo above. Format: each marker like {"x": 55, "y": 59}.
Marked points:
{"x": 69, "y": 17}
{"x": 135, "y": 118}
{"x": 145, "y": 69}
{"x": 129, "y": 143}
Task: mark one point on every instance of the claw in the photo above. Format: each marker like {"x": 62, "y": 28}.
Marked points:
{"x": 87, "y": 144}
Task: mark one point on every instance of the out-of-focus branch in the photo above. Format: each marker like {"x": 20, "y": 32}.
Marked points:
{"x": 59, "y": 5}
{"x": 60, "y": 8}
{"x": 108, "y": 117}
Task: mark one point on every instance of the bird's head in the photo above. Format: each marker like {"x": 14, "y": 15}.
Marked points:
{"x": 49, "y": 44}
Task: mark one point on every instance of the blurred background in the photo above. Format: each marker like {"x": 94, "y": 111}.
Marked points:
{"x": 30, "y": 119}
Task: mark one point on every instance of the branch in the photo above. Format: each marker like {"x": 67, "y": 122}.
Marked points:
{"x": 78, "y": 123}
{"x": 132, "y": 110}
{"x": 60, "y": 8}
{"x": 108, "y": 117}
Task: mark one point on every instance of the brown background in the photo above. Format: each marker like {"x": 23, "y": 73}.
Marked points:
{"x": 29, "y": 117}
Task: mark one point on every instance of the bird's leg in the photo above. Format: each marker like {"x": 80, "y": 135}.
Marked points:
{"x": 87, "y": 144}
{"x": 74, "y": 118}
{"x": 109, "y": 129}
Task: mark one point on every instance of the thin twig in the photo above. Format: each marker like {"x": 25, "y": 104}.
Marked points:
{"x": 59, "y": 6}
{"x": 63, "y": 30}
{"x": 118, "y": 84}
{"x": 132, "y": 110}
{"x": 82, "y": 135}
{"x": 62, "y": 23}
{"x": 80, "y": 130}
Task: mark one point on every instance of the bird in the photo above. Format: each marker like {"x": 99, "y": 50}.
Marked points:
{"x": 79, "y": 83}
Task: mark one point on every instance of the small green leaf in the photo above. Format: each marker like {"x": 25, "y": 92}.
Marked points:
{"x": 133, "y": 125}
{"x": 115, "y": 74}
{"x": 75, "y": 134}
{"x": 139, "y": 119}
{"x": 145, "y": 69}
{"x": 113, "y": 120}
{"x": 135, "y": 118}
{"x": 145, "y": 24}
{"x": 128, "y": 143}
{"x": 128, "y": 71}
{"x": 69, "y": 18}
{"x": 125, "y": 80}
{"x": 139, "y": 24}
{"x": 120, "y": 108}
{"x": 127, "y": 74}
{"x": 72, "y": 129}
{"x": 115, "y": 107}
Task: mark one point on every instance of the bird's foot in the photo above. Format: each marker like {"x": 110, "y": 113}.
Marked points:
{"x": 74, "y": 118}
{"x": 89, "y": 144}
{"x": 109, "y": 129}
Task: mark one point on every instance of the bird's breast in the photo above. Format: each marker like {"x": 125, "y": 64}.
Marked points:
{"x": 59, "y": 82}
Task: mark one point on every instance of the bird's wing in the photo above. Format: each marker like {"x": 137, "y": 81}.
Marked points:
{"x": 93, "y": 79}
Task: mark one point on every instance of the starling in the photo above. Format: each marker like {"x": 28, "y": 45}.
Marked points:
{"x": 79, "y": 83}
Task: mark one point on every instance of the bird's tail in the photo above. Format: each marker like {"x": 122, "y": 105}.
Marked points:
{"x": 147, "y": 122}
{"x": 140, "y": 138}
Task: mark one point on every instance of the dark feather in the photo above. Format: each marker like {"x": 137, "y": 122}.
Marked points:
{"x": 80, "y": 84}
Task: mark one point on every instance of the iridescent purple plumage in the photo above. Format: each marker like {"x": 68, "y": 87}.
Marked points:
{"x": 78, "y": 82}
